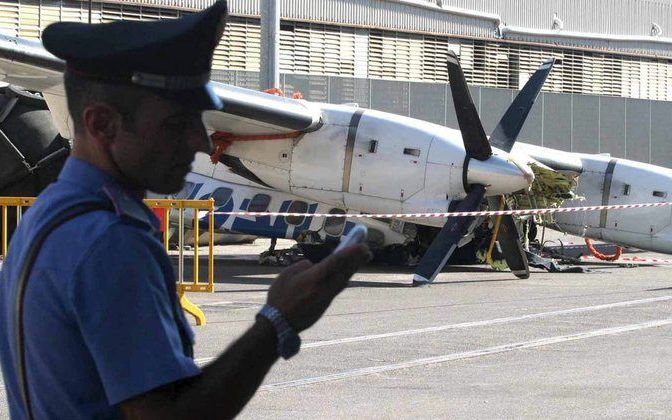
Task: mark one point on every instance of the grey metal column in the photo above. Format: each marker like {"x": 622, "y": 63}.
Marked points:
{"x": 269, "y": 76}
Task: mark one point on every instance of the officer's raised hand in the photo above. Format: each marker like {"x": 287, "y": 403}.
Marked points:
{"x": 304, "y": 291}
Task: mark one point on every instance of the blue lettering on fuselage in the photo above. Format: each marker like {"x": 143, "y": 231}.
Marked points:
{"x": 261, "y": 225}
{"x": 220, "y": 219}
{"x": 258, "y": 225}
{"x": 306, "y": 222}
{"x": 195, "y": 191}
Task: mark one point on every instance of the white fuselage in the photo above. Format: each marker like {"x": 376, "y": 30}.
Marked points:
{"x": 375, "y": 162}
{"x": 392, "y": 164}
{"x": 608, "y": 181}
{"x": 235, "y": 194}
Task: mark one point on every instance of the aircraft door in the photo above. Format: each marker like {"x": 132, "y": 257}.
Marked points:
{"x": 317, "y": 159}
{"x": 389, "y": 157}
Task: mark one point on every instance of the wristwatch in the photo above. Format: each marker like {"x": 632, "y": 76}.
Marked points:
{"x": 289, "y": 341}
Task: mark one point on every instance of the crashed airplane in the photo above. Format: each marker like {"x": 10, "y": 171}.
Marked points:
{"x": 341, "y": 158}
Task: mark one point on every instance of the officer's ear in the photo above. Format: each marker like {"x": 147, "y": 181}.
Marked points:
{"x": 101, "y": 122}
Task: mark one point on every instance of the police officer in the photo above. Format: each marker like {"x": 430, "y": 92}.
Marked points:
{"x": 90, "y": 322}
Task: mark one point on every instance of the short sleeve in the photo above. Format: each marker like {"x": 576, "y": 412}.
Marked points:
{"x": 126, "y": 314}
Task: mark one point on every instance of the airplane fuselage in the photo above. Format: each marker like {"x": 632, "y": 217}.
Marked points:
{"x": 232, "y": 193}
{"x": 375, "y": 162}
{"x": 610, "y": 181}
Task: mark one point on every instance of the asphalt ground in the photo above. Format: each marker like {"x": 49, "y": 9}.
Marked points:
{"x": 475, "y": 344}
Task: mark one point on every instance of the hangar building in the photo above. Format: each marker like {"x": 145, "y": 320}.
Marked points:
{"x": 611, "y": 91}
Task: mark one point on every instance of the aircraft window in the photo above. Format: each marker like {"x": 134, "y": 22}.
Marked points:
{"x": 334, "y": 225}
{"x": 412, "y": 152}
{"x": 626, "y": 189}
{"x": 221, "y": 196}
{"x": 296, "y": 207}
{"x": 184, "y": 192}
{"x": 661, "y": 194}
{"x": 373, "y": 146}
{"x": 259, "y": 203}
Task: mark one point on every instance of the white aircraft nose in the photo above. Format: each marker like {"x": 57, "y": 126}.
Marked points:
{"x": 500, "y": 174}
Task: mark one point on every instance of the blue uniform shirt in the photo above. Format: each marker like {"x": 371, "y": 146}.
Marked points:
{"x": 101, "y": 317}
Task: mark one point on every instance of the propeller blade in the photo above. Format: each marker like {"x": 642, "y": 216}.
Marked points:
{"x": 509, "y": 242}
{"x": 446, "y": 241}
{"x": 508, "y": 129}
{"x": 475, "y": 141}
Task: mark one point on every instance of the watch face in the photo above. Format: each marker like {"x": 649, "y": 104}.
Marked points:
{"x": 290, "y": 346}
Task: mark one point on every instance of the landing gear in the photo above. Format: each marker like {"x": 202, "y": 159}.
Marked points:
{"x": 280, "y": 257}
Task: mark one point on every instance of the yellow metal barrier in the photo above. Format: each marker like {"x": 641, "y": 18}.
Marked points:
{"x": 167, "y": 206}
{"x": 19, "y": 203}
{"x": 195, "y": 285}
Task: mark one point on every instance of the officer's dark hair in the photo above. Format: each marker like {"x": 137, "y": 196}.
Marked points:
{"x": 81, "y": 91}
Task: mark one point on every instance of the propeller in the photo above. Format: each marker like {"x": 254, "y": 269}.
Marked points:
{"x": 508, "y": 237}
{"x": 475, "y": 141}
{"x": 477, "y": 146}
{"x": 445, "y": 242}
{"x": 504, "y": 137}
{"x": 508, "y": 129}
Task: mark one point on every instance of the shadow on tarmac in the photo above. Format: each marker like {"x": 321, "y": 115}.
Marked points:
{"x": 249, "y": 274}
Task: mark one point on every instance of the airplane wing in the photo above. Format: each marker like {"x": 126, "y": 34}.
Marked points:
{"x": 555, "y": 159}
{"x": 246, "y": 112}
{"x": 249, "y": 112}
{"x": 27, "y": 64}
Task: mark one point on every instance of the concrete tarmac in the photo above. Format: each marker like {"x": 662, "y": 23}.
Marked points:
{"x": 475, "y": 344}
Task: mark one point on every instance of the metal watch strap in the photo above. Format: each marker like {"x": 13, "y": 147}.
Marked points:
{"x": 284, "y": 332}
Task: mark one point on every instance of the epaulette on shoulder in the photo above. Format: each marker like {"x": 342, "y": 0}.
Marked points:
{"x": 126, "y": 206}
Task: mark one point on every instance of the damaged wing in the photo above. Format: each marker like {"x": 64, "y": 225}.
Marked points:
{"x": 27, "y": 64}
{"x": 249, "y": 112}
{"x": 554, "y": 159}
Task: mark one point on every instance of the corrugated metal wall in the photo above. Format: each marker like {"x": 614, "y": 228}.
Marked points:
{"x": 365, "y": 13}
{"x": 619, "y": 17}
{"x": 630, "y": 47}
{"x": 385, "y": 14}
{"x": 614, "y": 17}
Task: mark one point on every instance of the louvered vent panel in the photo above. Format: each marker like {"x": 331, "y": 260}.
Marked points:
{"x": 311, "y": 48}
{"x": 77, "y": 11}
{"x": 9, "y": 17}
{"x": 131, "y": 13}
{"x": 500, "y": 65}
{"x": 307, "y": 48}
{"x": 29, "y": 20}
{"x": 287, "y": 47}
{"x": 240, "y": 46}
{"x": 111, "y": 12}
{"x": 50, "y": 12}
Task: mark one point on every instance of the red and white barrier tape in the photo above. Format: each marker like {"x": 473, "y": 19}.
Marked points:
{"x": 452, "y": 214}
{"x": 633, "y": 260}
